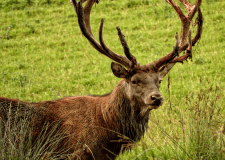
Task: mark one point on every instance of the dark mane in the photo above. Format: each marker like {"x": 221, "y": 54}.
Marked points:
{"x": 127, "y": 124}
{"x": 130, "y": 122}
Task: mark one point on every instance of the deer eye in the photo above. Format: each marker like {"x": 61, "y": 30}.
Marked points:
{"x": 133, "y": 82}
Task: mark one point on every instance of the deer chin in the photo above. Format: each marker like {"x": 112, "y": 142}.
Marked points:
{"x": 147, "y": 108}
{"x": 153, "y": 107}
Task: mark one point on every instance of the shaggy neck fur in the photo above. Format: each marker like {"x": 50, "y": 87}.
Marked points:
{"x": 124, "y": 115}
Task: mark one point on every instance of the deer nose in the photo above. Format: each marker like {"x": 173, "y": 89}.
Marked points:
{"x": 156, "y": 99}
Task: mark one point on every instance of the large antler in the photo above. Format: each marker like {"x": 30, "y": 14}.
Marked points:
{"x": 83, "y": 15}
{"x": 182, "y": 44}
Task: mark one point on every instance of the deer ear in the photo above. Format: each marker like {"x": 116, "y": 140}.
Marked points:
{"x": 164, "y": 69}
{"x": 118, "y": 70}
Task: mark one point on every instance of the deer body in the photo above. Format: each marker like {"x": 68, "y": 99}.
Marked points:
{"x": 101, "y": 127}
{"x": 95, "y": 123}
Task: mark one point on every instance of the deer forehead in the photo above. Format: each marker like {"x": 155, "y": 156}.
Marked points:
{"x": 145, "y": 78}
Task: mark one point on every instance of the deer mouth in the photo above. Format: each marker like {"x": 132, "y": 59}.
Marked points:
{"x": 147, "y": 108}
{"x": 154, "y": 106}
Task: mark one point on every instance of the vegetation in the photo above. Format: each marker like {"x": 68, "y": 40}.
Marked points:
{"x": 43, "y": 56}
{"x": 16, "y": 140}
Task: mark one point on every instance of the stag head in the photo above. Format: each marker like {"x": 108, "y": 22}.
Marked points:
{"x": 142, "y": 82}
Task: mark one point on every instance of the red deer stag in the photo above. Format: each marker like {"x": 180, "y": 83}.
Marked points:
{"x": 99, "y": 124}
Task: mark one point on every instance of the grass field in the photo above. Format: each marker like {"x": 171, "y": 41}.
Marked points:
{"x": 44, "y": 56}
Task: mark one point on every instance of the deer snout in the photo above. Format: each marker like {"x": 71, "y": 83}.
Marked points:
{"x": 156, "y": 99}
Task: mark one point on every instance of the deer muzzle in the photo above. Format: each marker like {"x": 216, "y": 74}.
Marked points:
{"x": 155, "y": 99}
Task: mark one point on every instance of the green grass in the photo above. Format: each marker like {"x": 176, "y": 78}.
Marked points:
{"x": 43, "y": 56}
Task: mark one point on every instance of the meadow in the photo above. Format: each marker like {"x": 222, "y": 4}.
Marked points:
{"x": 43, "y": 56}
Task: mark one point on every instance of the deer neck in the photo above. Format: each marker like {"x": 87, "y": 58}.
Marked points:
{"x": 123, "y": 114}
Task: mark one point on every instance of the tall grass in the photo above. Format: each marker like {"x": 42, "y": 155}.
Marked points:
{"x": 17, "y": 141}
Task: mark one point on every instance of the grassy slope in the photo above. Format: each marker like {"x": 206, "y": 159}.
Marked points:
{"x": 43, "y": 55}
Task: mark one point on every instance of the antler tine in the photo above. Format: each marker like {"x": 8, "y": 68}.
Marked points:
{"x": 199, "y": 23}
{"x": 192, "y": 9}
{"x": 185, "y": 20}
{"x": 83, "y": 15}
{"x": 188, "y": 53}
{"x": 185, "y": 27}
{"x": 118, "y": 58}
{"x": 87, "y": 12}
{"x": 80, "y": 15}
{"x": 126, "y": 48}
{"x": 170, "y": 56}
